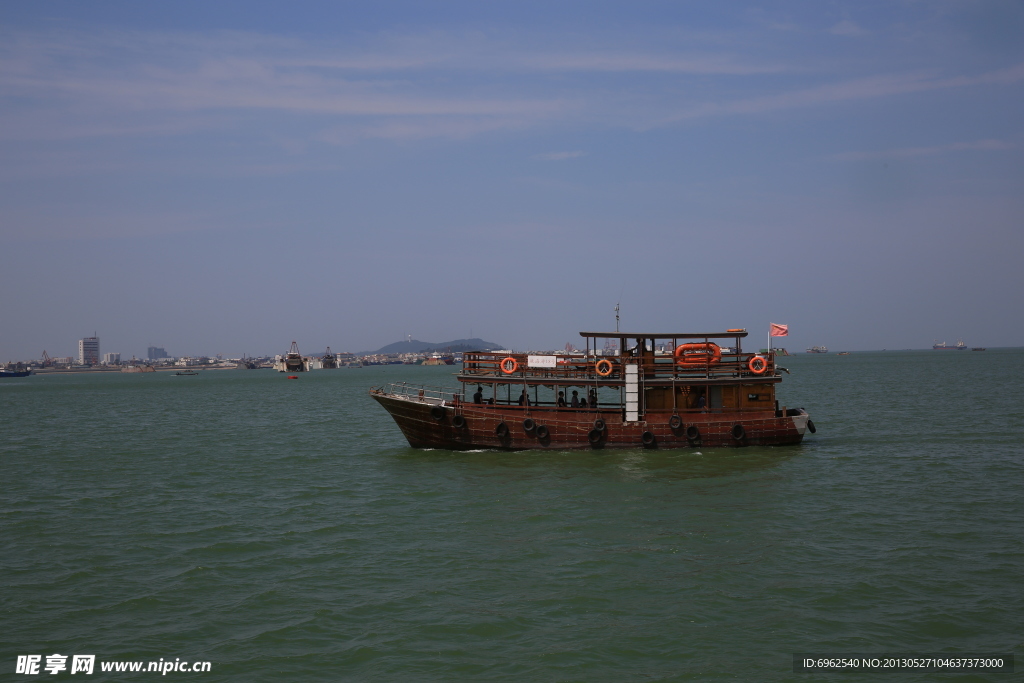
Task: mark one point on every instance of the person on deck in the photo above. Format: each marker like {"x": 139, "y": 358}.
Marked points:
{"x": 524, "y": 400}
{"x": 593, "y": 398}
{"x": 478, "y": 397}
{"x": 575, "y": 402}
{"x": 560, "y": 403}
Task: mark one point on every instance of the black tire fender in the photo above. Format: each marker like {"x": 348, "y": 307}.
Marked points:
{"x": 458, "y": 422}
{"x": 738, "y": 432}
{"x": 692, "y": 433}
{"x": 542, "y": 432}
{"x": 437, "y": 412}
{"x": 501, "y": 430}
{"x": 594, "y": 436}
{"x": 647, "y": 438}
{"x": 675, "y": 422}
{"x": 529, "y": 424}
{"x": 811, "y": 428}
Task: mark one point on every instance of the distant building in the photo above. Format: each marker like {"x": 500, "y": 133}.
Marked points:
{"x": 156, "y": 353}
{"x": 89, "y": 351}
{"x": 111, "y": 359}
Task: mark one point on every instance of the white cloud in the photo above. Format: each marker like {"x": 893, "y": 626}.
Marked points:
{"x": 856, "y": 89}
{"x": 622, "y": 62}
{"x": 559, "y": 156}
{"x": 847, "y": 28}
{"x": 62, "y": 85}
{"x": 905, "y": 152}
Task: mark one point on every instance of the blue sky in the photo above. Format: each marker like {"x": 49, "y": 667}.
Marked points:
{"x": 227, "y": 177}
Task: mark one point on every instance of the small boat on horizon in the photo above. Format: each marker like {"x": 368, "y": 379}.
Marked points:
{"x": 17, "y": 370}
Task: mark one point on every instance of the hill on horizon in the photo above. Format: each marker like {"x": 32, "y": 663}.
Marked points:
{"x": 456, "y": 345}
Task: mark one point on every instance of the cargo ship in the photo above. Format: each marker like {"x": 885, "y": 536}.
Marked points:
{"x": 15, "y": 370}
{"x": 818, "y": 349}
{"x": 293, "y": 361}
{"x": 941, "y": 346}
{"x": 691, "y": 395}
{"x": 328, "y": 361}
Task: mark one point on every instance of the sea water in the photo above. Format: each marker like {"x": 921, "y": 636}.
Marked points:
{"x": 283, "y": 530}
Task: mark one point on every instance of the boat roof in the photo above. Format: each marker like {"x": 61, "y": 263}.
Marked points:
{"x": 664, "y": 335}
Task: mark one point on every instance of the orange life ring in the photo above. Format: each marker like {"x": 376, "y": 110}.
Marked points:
{"x": 604, "y": 363}
{"x": 509, "y": 365}
{"x": 757, "y": 364}
{"x": 699, "y": 355}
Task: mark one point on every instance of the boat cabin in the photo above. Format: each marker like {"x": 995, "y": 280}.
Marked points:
{"x": 635, "y": 374}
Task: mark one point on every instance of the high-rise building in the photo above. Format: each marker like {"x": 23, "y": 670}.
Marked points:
{"x": 89, "y": 351}
{"x": 156, "y": 353}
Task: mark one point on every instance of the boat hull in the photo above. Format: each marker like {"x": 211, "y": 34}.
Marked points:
{"x": 425, "y": 427}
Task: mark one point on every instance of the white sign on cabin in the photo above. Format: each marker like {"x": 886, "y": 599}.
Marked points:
{"x": 542, "y": 361}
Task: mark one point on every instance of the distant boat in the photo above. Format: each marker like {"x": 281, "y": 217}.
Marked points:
{"x": 942, "y": 346}
{"x": 186, "y": 373}
{"x": 293, "y": 361}
{"x": 979, "y": 348}
{"x": 818, "y": 349}
{"x": 328, "y": 361}
{"x": 843, "y": 353}
{"x": 15, "y": 373}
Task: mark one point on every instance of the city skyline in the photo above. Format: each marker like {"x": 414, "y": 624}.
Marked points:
{"x": 225, "y": 180}
{"x": 753, "y": 341}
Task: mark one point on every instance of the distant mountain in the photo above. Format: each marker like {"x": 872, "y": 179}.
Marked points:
{"x": 456, "y": 345}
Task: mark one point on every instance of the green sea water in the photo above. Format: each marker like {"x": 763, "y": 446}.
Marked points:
{"x": 284, "y": 531}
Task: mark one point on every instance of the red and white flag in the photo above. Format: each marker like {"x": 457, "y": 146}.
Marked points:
{"x": 778, "y": 330}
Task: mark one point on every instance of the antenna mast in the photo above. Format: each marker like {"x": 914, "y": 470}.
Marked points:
{"x": 616, "y": 317}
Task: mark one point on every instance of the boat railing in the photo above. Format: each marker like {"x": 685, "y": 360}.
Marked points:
{"x": 575, "y": 366}
{"x": 424, "y": 394}
{"x": 609, "y": 404}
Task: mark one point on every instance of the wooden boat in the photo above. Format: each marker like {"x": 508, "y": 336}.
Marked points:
{"x": 689, "y": 395}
